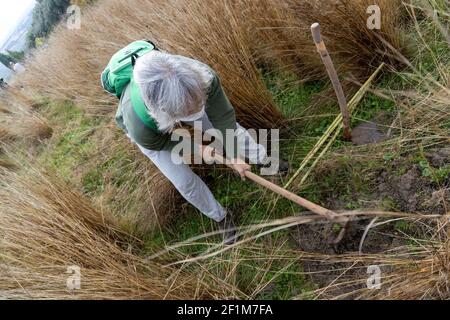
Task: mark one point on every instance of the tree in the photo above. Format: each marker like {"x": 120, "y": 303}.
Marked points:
{"x": 82, "y": 2}
{"x": 16, "y": 55}
{"x": 6, "y": 60}
{"x": 46, "y": 14}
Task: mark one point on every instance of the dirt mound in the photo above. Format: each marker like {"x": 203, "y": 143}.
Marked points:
{"x": 367, "y": 133}
{"x": 440, "y": 157}
{"x": 415, "y": 190}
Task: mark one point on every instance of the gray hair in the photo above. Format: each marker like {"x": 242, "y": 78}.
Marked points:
{"x": 172, "y": 86}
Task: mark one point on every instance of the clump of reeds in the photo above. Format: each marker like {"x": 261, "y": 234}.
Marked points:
{"x": 18, "y": 122}
{"x": 284, "y": 28}
{"x": 139, "y": 195}
{"x": 25, "y": 126}
{"x": 47, "y": 231}
{"x": 219, "y": 34}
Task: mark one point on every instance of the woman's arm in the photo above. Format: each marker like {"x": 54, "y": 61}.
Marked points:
{"x": 221, "y": 113}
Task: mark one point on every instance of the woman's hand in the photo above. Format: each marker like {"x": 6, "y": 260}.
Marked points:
{"x": 208, "y": 153}
{"x": 239, "y": 165}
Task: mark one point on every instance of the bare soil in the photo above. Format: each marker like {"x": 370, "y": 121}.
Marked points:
{"x": 411, "y": 192}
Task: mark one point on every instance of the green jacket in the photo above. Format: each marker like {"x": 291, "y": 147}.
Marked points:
{"x": 218, "y": 108}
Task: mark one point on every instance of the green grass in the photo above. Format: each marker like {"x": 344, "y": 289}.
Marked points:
{"x": 370, "y": 107}
{"x": 291, "y": 96}
{"x": 436, "y": 175}
{"x": 72, "y": 151}
{"x": 94, "y": 179}
{"x": 71, "y": 146}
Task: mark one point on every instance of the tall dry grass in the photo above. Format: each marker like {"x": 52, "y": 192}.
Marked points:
{"x": 23, "y": 125}
{"x": 230, "y": 36}
{"x": 46, "y": 227}
{"x": 140, "y": 197}
{"x": 219, "y": 34}
{"x": 74, "y": 59}
{"x": 284, "y": 27}
{"x": 19, "y": 123}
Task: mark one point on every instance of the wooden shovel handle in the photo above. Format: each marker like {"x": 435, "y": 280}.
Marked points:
{"x": 291, "y": 196}
{"x": 322, "y": 49}
{"x": 273, "y": 187}
{"x": 283, "y": 192}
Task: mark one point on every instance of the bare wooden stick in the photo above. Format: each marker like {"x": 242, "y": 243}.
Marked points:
{"x": 322, "y": 49}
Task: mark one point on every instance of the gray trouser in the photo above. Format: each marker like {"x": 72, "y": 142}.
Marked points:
{"x": 190, "y": 186}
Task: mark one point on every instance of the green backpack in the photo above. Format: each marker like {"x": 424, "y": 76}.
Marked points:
{"x": 119, "y": 73}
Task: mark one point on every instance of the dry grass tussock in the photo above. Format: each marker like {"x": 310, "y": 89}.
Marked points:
{"x": 18, "y": 122}
{"x": 23, "y": 125}
{"x": 138, "y": 194}
{"x": 42, "y": 219}
{"x": 284, "y": 27}
{"x": 73, "y": 61}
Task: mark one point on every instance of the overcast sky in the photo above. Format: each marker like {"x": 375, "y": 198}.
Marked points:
{"x": 11, "y": 11}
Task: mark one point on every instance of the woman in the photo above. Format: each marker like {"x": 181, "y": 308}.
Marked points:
{"x": 178, "y": 89}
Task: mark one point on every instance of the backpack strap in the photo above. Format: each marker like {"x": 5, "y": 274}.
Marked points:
{"x": 140, "y": 108}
